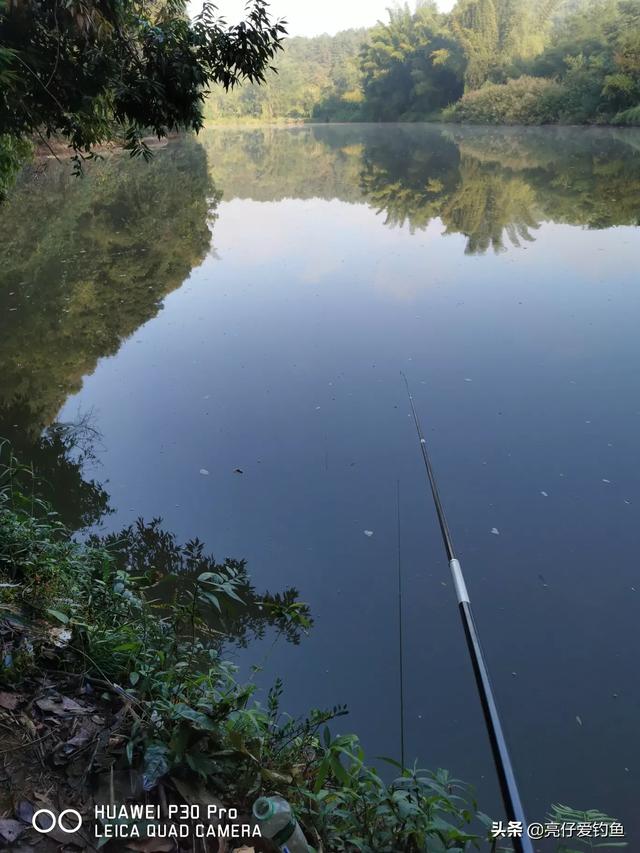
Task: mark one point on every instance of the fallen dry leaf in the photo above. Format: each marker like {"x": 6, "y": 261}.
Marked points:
{"x": 60, "y": 637}
{"x": 10, "y": 701}
{"x": 25, "y": 811}
{"x": 10, "y": 830}
{"x": 62, "y": 706}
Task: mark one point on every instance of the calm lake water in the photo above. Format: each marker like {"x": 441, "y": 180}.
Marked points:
{"x": 248, "y": 302}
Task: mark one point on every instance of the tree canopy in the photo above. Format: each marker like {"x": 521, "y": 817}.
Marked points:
{"x": 85, "y": 69}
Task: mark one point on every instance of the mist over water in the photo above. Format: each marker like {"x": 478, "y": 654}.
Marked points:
{"x": 243, "y": 307}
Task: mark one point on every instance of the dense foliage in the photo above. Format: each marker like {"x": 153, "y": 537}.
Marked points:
{"x": 523, "y": 100}
{"x": 411, "y": 65}
{"x": 317, "y": 77}
{"x": 78, "y": 69}
{"x": 583, "y": 54}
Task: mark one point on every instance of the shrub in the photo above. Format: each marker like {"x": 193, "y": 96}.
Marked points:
{"x": 525, "y": 100}
{"x": 630, "y": 117}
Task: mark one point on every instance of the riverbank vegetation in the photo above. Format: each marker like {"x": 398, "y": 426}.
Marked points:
{"x": 87, "y": 71}
{"x": 111, "y": 689}
{"x": 487, "y": 61}
{"x": 92, "y": 73}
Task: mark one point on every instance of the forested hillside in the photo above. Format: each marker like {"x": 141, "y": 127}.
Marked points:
{"x": 314, "y": 74}
{"x": 487, "y": 61}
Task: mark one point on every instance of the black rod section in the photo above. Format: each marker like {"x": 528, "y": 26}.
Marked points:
{"x": 400, "y": 633}
{"x": 501, "y": 757}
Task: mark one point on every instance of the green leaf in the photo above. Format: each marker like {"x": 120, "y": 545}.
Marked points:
{"x": 200, "y": 720}
{"x": 156, "y": 764}
{"x": 61, "y": 617}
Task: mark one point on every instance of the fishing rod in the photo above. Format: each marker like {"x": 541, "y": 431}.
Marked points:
{"x": 400, "y": 633}
{"x": 501, "y": 757}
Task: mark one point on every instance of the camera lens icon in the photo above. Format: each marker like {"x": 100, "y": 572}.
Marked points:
{"x": 49, "y": 821}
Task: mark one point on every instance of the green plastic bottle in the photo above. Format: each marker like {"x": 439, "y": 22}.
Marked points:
{"x": 278, "y": 822}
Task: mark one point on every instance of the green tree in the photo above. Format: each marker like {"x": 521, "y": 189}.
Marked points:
{"x": 85, "y": 68}
{"x": 317, "y": 77}
{"x": 475, "y": 26}
{"x": 411, "y": 65}
{"x": 595, "y": 53}
{"x": 496, "y": 33}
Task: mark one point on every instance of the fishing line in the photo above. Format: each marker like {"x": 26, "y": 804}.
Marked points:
{"x": 501, "y": 757}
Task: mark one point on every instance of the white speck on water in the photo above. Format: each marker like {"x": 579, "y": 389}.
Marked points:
{"x": 368, "y": 533}
{"x": 605, "y": 481}
{"x": 495, "y": 531}
{"x": 317, "y": 408}
{"x": 422, "y": 441}
{"x": 578, "y": 720}
{"x": 544, "y": 494}
{"x": 628, "y": 503}
{"x": 467, "y": 379}
{"x": 204, "y": 472}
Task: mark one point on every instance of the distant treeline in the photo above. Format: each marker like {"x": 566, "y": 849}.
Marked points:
{"x": 487, "y": 61}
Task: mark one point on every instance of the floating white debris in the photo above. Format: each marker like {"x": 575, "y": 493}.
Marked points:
{"x": 317, "y": 408}
{"x": 368, "y": 533}
{"x": 204, "y": 472}
{"x": 544, "y": 494}
{"x": 605, "y": 481}
{"x": 495, "y": 531}
{"x": 466, "y": 379}
{"x": 578, "y": 720}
